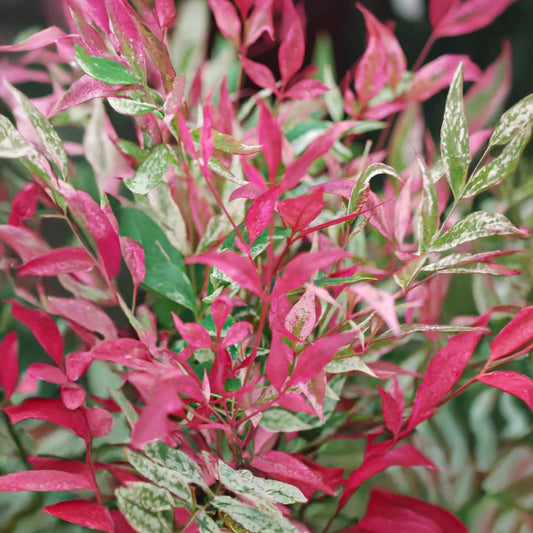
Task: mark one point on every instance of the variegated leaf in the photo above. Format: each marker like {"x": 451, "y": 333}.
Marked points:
{"x": 514, "y": 119}
{"x": 428, "y": 216}
{"x": 151, "y": 171}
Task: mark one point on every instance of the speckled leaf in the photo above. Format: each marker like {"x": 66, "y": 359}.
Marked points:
{"x": 128, "y": 107}
{"x": 251, "y": 518}
{"x": 428, "y": 216}
{"x": 455, "y": 144}
{"x": 101, "y": 68}
{"x": 475, "y": 226}
{"x": 514, "y": 119}
{"x": 206, "y": 524}
{"x": 501, "y": 167}
{"x": 12, "y": 145}
{"x": 164, "y": 477}
{"x": 349, "y": 364}
{"x": 151, "y": 171}
{"x": 146, "y": 507}
{"x": 244, "y": 482}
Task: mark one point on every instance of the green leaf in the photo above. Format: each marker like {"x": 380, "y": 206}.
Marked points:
{"x": 253, "y": 519}
{"x": 12, "y": 144}
{"x": 349, "y": 364}
{"x": 147, "y": 508}
{"x": 161, "y": 475}
{"x": 455, "y": 145}
{"x": 428, "y": 215}
{"x": 206, "y": 524}
{"x": 335, "y": 282}
{"x": 175, "y": 460}
{"x": 500, "y": 168}
{"x": 218, "y": 168}
{"x": 244, "y": 482}
{"x": 513, "y": 120}
{"x": 475, "y": 226}
{"x": 51, "y": 142}
{"x": 101, "y": 68}
{"x": 133, "y": 108}
{"x": 228, "y": 144}
{"x": 165, "y": 270}
{"x": 125, "y": 406}
{"x": 151, "y": 171}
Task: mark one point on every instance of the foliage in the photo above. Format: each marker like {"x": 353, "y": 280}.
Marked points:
{"x": 247, "y": 286}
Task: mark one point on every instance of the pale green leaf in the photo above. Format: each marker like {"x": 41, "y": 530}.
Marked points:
{"x": 513, "y": 120}
{"x": 475, "y": 226}
{"x": 349, "y": 364}
{"x": 428, "y": 215}
{"x": 244, "y": 482}
{"x": 408, "y": 272}
{"x": 502, "y": 166}
{"x": 12, "y": 144}
{"x": 218, "y": 168}
{"x": 101, "y": 68}
{"x": 151, "y": 171}
{"x": 128, "y": 107}
{"x": 206, "y": 524}
{"x": 125, "y": 405}
{"x": 455, "y": 145}
{"x": 253, "y": 519}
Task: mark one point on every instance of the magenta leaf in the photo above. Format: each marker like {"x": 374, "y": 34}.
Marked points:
{"x": 306, "y": 90}
{"x": 291, "y": 52}
{"x": 469, "y": 16}
{"x": 270, "y": 139}
{"x": 278, "y": 361}
{"x": 9, "y": 364}
{"x": 206, "y": 136}
{"x": 38, "y": 40}
{"x": 47, "y": 372}
{"x": 515, "y": 338}
{"x": 24, "y": 204}
{"x": 405, "y": 455}
{"x": 239, "y": 269}
{"x": 85, "y": 314}
{"x": 388, "y": 512}
{"x": 83, "y": 513}
{"x": 43, "y": 481}
{"x": 58, "y": 261}
{"x": 165, "y": 11}
{"x": 513, "y": 383}
{"x": 227, "y": 20}
{"x": 26, "y": 242}
{"x": 43, "y": 328}
{"x": 392, "y": 412}
{"x": 133, "y": 254}
{"x": 260, "y": 213}
{"x": 298, "y": 212}
{"x": 439, "y": 8}
{"x": 195, "y": 334}
{"x": 100, "y": 422}
{"x": 237, "y": 333}
{"x": 259, "y": 74}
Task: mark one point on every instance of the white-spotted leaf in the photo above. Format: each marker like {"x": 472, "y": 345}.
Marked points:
{"x": 151, "y": 171}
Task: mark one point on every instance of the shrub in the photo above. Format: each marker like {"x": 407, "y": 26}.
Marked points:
{"x": 228, "y": 312}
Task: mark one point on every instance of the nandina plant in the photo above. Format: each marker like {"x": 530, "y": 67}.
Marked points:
{"x": 226, "y": 291}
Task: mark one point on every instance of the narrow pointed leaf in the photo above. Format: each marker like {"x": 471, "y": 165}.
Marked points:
{"x": 227, "y": 19}
{"x": 513, "y": 383}
{"x": 299, "y": 212}
{"x": 44, "y": 481}
{"x": 259, "y": 74}
{"x": 260, "y": 213}
{"x": 83, "y": 513}
{"x": 60, "y": 260}
{"x": 291, "y": 52}
{"x": 515, "y": 337}
{"x": 9, "y": 365}
{"x": 512, "y": 121}
{"x": 428, "y": 218}
{"x": 151, "y": 171}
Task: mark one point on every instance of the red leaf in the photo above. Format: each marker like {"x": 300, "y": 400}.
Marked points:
{"x": 83, "y": 513}
{"x": 227, "y": 20}
{"x": 388, "y": 512}
{"x": 44, "y": 480}
{"x": 443, "y": 372}
{"x": 260, "y": 212}
{"x": 469, "y": 16}
{"x": 9, "y": 364}
{"x": 515, "y": 338}
{"x": 133, "y": 254}
{"x": 26, "y": 242}
{"x": 438, "y": 74}
{"x": 47, "y": 372}
{"x": 392, "y": 412}
{"x": 298, "y": 212}
{"x": 195, "y": 334}
{"x": 98, "y": 225}
{"x": 270, "y": 139}
{"x": 439, "y": 8}
{"x": 237, "y": 333}
{"x": 259, "y": 74}
{"x": 100, "y": 421}
{"x": 278, "y": 361}
{"x": 240, "y": 269}
{"x": 511, "y": 382}
{"x": 84, "y": 313}
{"x": 314, "y": 357}
{"x": 291, "y": 52}
{"x": 43, "y": 328}
{"x": 306, "y": 90}
{"x": 405, "y": 455}
{"x": 72, "y": 396}
{"x": 24, "y": 204}
{"x": 186, "y": 137}
{"x": 58, "y": 261}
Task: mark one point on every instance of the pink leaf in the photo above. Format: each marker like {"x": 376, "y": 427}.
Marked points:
{"x": 388, "y": 512}
{"x": 186, "y": 137}
{"x": 239, "y": 269}
{"x": 83, "y": 513}
{"x": 259, "y": 74}
{"x": 443, "y": 372}
{"x": 43, "y": 328}
{"x": 133, "y": 254}
{"x": 165, "y": 11}
{"x": 392, "y": 412}
{"x": 195, "y": 334}
{"x": 315, "y": 356}
{"x": 9, "y": 364}
{"x": 47, "y": 372}
{"x": 511, "y": 382}
{"x": 301, "y": 319}
{"x": 278, "y": 361}
{"x": 84, "y": 313}
{"x": 227, "y": 20}
{"x": 381, "y": 302}
{"x": 439, "y": 8}
{"x": 237, "y": 333}
{"x": 270, "y": 139}
{"x": 26, "y": 242}
{"x": 44, "y": 480}
{"x": 258, "y": 22}
{"x": 516, "y": 337}
{"x": 405, "y": 455}
{"x": 38, "y": 40}
{"x": 303, "y": 266}
{"x": 306, "y": 90}
{"x": 72, "y": 396}
{"x": 298, "y": 212}
{"x": 438, "y": 74}
{"x": 58, "y": 261}
{"x": 99, "y": 420}
{"x": 24, "y": 204}
{"x": 206, "y": 136}
{"x": 260, "y": 213}
{"x": 469, "y": 16}
{"x": 291, "y": 52}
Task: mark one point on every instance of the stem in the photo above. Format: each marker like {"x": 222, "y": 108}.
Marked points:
{"x": 424, "y": 52}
